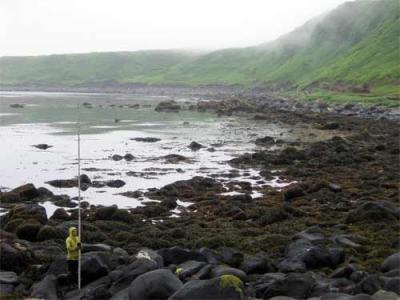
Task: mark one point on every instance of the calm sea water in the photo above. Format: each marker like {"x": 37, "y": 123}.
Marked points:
{"x": 52, "y": 118}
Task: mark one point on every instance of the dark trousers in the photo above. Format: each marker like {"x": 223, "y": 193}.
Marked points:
{"x": 73, "y": 271}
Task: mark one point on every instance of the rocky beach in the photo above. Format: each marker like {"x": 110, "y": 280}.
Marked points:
{"x": 306, "y": 210}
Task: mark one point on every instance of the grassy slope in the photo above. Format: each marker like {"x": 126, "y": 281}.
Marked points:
{"x": 140, "y": 66}
{"x": 356, "y": 43}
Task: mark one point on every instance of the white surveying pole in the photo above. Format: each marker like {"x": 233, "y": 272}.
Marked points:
{"x": 79, "y": 195}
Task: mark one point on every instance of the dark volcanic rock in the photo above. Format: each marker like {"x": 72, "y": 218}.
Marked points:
{"x": 70, "y": 183}
{"x": 294, "y": 285}
{"x": 374, "y": 212}
{"x": 17, "y": 105}
{"x": 230, "y": 256}
{"x": 265, "y": 141}
{"x": 60, "y": 214}
{"x": 146, "y": 139}
{"x": 14, "y": 257}
{"x": 28, "y": 231}
{"x": 257, "y": 264}
{"x": 157, "y": 284}
{"x": 178, "y": 255}
{"x": 42, "y": 146}
{"x": 221, "y": 288}
{"x": 225, "y": 270}
{"x": 168, "y": 106}
{"x": 131, "y": 272}
{"x": 117, "y": 157}
{"x": 105, "y": 213}
{"x": 26, "y": 212}
{"x": 22, "y": 193}
{"x": 48, "y": 232}
{"x": 190, "y": 268}
{"x": 303, "y": 255}
{"x": 115, "y": 183}
{"x": 194, "y": 146}
{"x": 391, "y": 263}
{"x": 46, "y": 288}
{"x": 93, "y": 267}
{"x": 329, "y": 126}
{"x": 188, "y": 189}
{"x": 175, "y": 158}
{"x": 129, "y": 157}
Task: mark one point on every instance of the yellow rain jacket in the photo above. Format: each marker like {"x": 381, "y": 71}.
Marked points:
{"x": 72, "y": 245}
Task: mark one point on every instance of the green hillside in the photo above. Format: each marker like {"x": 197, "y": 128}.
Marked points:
{"x": 70, "y": 69}
{"x": 355, "y": 44}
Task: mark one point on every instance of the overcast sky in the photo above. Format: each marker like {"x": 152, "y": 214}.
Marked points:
{"x": 34, "y": 27}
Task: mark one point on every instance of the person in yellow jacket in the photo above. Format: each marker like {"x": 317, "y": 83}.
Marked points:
{"x": 73, "y": 244}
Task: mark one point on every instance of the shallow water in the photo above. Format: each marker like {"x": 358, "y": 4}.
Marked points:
{"x": 52, "y": 118}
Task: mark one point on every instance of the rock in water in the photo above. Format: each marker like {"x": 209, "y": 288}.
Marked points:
{"x": 146, "y": 139}
{"x": 21, "y": 193}
{"x": 265, "y": 141}
{"x": 194, "y": 146}
{"x": 226, "y": 287}
{"x": 158, "y": 284}
{"x": 42, "y": 146}
{"x": 16, "y": 105}
{"x": 115, "y": 183}
{"x": 117, "y": 157}
{"x": 168, "y": 106}
{"x": 129, "y": 157}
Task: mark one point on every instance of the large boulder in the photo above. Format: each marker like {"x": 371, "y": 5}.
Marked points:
{"x": 192, "y": 189}
{"x": 157, "y": 284}
{"x": 219, "y": 271}
{"x": 96, "y": 247}
{"x": 303, "y": 255}
{"x": 95, "y": 290}
{"x": 46, "y": 288}
{"x": 22, "y": 193}
{"x": 230, "y": 256}
{"x": 227, "y": 287}
{"x": 106, "y": 212}
{"x": 194, "y": 146}
{"x": 178, "y": 255}
{"x": 151, "y": 255}
{"x": 14, "y": 257}
{"x": 93, "y": 267}
{"x": 257, "y": 264}
{"x": 60, "y": 214}
{"x": 28, "y": 231}
{"x": 70, "y": 183}
{"x": 294, "y": 285}
{"x": 391, "y": 263}
{"x": 27, "y": 212}
{"x": 374, "y": 212}
{"x": 131, "y": 272}
{"x": 190, "y": 268}
{"x": 385, "y": 295}
{"x": 48, "y": 232}
{"x": 168, "y": 106}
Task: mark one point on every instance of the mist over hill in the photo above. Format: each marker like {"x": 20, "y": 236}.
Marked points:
{"x": 355, "y": 44}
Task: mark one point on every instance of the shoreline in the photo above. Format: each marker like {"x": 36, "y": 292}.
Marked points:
{"x": 344, "y": 207}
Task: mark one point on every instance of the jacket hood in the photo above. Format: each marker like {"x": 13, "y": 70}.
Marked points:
{"x": 70, "y": 230}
